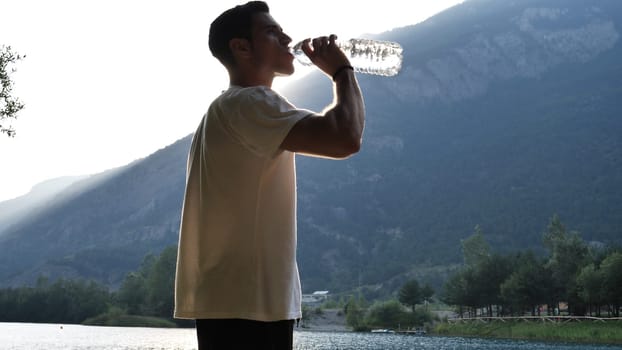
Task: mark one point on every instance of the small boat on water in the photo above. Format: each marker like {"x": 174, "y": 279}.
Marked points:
{"x": 417, "y": 331}
{"x": 390, "y": 331}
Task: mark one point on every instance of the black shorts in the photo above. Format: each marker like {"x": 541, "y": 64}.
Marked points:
{"x": 239, "y": 334}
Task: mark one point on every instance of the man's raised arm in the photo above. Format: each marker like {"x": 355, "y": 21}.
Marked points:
{"x": 338, "y": 132}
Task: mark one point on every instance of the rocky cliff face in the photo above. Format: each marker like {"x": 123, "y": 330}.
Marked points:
{"x": 531, "y": 42}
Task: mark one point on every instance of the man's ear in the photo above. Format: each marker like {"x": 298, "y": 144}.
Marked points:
{"x": 240, "y": 47}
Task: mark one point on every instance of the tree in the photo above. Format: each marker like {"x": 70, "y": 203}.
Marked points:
{"x": 355, "y": 314}
{"x": 475, "y": 248}
{"x": 555, "y": 231}
{"x": 590, "y": 283}
{"x": 426, "y": 294}
{"x": 388, "y": 314}
{"x": 475, "y": 286}
{"x": 134, "y": 291}
{"x": 149, "y": 291}
{"x": 132, "y": 294}
{"x": 526, "y": 287}
{"x": 410, "y": 294}
{"x": 454, "y": 292}
{"x": 488, "y": 277}
{"x": 9, "y": 105}
{"x": 64, "y": 301}
{"x": 483, "y": 273}
{"x": 568, "y": 254}
{"x": 161, "y": 283}
{"x": 611, "y": 269}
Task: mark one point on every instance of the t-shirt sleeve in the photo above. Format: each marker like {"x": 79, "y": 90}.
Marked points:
{"x": 261, "y": 119}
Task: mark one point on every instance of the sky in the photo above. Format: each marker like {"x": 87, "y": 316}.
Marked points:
{"x": 106, "y": 82}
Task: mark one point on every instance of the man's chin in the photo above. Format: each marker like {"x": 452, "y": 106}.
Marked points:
{"x": 285, "y": 72}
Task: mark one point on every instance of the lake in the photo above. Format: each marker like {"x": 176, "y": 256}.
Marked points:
{"x": 27, "y": 336}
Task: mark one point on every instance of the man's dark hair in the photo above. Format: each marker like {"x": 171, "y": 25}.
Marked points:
{"x": 234, "y": 23}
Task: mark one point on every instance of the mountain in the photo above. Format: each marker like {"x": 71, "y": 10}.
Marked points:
{"x": 103, "y": 226}
{"x": 14, "y": 210}
{"x": 505, "y": 113}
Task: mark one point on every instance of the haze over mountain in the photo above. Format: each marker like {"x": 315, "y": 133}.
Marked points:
{"x": 505, "y": 113}
{"x": 13, "y": 210}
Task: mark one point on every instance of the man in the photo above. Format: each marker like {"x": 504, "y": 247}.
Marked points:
{"x": 236, "y": 269}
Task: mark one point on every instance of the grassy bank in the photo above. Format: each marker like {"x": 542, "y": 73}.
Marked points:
{"x": 578, "y": 332}
{"x": 122, "y": 320}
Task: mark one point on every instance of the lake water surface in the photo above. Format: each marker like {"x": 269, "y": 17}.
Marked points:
{"x": 26, "y": 336}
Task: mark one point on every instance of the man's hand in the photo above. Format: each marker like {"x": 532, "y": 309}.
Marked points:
{"x": 325, "y": 54}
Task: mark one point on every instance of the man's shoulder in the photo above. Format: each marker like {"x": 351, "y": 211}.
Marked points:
{"x": 252, "y": 92}
{"x": 252, "y": 97}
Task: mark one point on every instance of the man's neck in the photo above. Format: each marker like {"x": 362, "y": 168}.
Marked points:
{"x": 248, "y": 79}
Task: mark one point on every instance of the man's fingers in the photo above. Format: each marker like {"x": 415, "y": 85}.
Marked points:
{"x": 324, "y": 41}
{"x": 306, "y": 48}
{"x": 320, "y": 43}
{"x": 317, "y": 43}
{"x": 322, "y": 51}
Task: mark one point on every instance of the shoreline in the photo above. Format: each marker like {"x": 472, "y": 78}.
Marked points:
{"x": 585, "y": 332}
{"x": 576, "y": 332}
{"x": 329, "y": 320}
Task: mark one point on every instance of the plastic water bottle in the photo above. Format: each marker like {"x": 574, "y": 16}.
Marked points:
{"x": 366, "y": 56}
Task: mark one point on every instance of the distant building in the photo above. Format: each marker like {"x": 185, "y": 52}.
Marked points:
{"x": 316, "y": 297}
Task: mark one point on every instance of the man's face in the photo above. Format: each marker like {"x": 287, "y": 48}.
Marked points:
{"x": 270, "y": 46}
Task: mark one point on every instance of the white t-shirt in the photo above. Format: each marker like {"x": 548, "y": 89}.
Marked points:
{"x": 237, "y": 244}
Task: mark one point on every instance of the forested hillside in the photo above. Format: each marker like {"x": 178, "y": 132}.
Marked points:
{"x": 504, "y": 114}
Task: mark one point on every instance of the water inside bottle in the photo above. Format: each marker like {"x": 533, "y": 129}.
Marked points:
{"x": 366, "y": 56}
